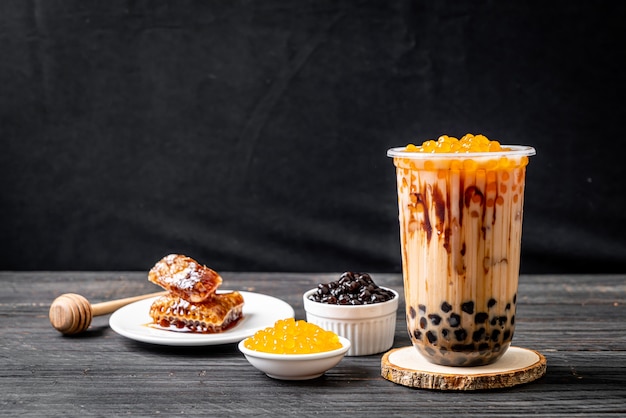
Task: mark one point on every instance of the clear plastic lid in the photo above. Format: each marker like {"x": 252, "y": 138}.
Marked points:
{"x": 509, "y": 151}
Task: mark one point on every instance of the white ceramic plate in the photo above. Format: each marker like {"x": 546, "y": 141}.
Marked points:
{"x": 259, "y": 312}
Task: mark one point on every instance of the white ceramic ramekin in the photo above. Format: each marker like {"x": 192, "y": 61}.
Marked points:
{"x": 370, "y": 328}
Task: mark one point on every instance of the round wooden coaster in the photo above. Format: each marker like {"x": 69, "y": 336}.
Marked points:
{"x": 405, "y": 366}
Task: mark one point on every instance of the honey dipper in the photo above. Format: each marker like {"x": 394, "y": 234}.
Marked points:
{"x": 71, "y": 313}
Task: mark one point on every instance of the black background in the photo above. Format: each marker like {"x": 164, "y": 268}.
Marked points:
{"x": 252, "y": 135}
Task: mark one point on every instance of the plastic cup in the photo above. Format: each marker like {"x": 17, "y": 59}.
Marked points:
{"x": 460, "y": 229}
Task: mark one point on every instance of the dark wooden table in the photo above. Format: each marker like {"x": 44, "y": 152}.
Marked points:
{"x": 577, "y": 322}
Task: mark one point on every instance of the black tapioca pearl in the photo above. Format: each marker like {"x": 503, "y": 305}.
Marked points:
{"x": 445, "y": 362}
{"x": 496, "y": 348}
{"x": 483, "y": 347}
{"x": 507, "y": 307}
{"x": 491, "y": 303}
{"x": 512, "y": 319}
{"x": 432, "y": 337}
{"x": 445, "y": 333}
{"x": 502, "y": 320}
{"x": 495, "y": 334}
{"x": 481, "y": 317}
{"x": 446, "y": 307}
{"x": 422, "y": 308}
{"x": 417, "y": 334}
{"x": 434, "y": 319}
{"x": 506, "y": 335}
{"x": 460, "y": 334}
{"x": 477, "y": 362}
{"x": 493, "y": 321}
{"x": 468, "y": 307}
{"x": 461, "y": 361}
{"x": 412, "y": 312}
{"x": 343, "y": 299}
{"x": 462, "y": 348}
{"x": 478, "y": 334}
{"x": 454, "y": 320}
{"x": 423, "y": 322}
{"x": 515, "y": 298}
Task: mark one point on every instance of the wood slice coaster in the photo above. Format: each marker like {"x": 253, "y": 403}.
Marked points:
{"x": 405, "y": 366}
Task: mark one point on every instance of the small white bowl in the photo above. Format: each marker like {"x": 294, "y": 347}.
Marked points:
{"x": 370, "y": 328}
{"x": 295, "y": 366}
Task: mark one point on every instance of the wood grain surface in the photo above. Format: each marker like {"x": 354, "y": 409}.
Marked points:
{"x": 576, "y": 322}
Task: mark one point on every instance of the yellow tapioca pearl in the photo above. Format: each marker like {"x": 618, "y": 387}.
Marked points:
{"x": 469, "y": 164}
{"x": 503, "y": 163}
{"x": 444, "y": 147}
{"x": 467, "y": 138}
{"x": 429, "y": 146}
{"x": 494, "y": 146}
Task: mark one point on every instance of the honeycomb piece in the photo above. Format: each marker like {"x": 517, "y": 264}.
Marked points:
{"x": 184, "y": 277}
{"x": 216, "y": 314}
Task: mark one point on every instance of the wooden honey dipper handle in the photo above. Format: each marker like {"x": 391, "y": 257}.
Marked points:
{"x": 71, "y": 313}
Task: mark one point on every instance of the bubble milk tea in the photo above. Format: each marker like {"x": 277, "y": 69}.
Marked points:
{"x": 460, "y": 210}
